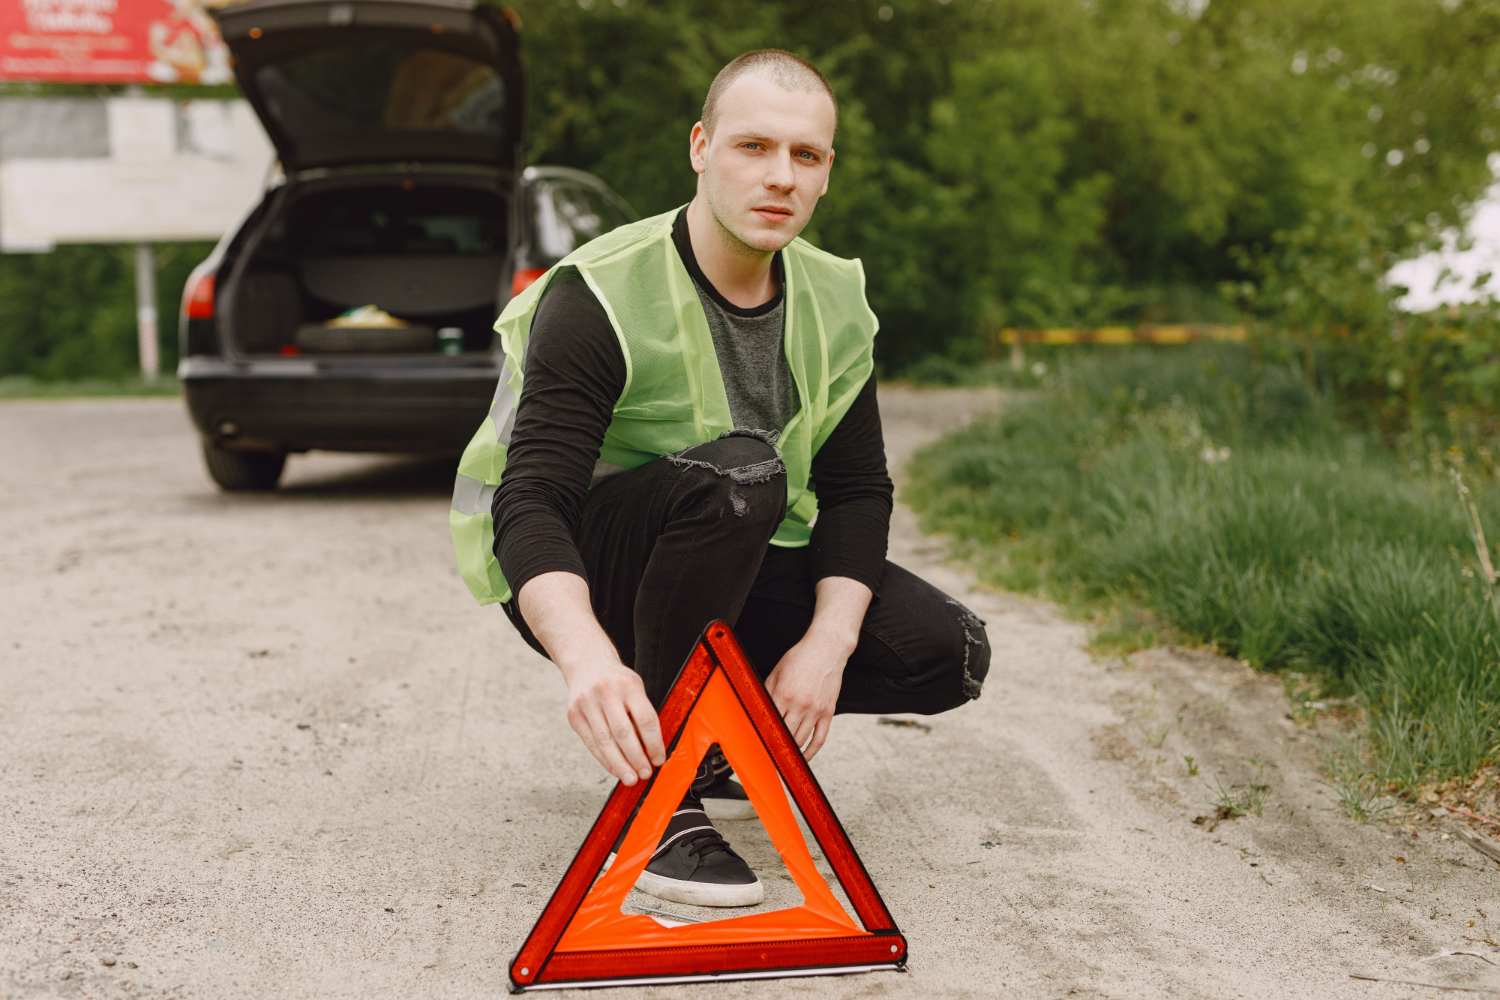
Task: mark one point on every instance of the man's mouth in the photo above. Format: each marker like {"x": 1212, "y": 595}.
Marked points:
{"x": 772, "y": 213}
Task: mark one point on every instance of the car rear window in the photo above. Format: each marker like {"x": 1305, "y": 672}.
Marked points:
{"x": 392, "y": 87}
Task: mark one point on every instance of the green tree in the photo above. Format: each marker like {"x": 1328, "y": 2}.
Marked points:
{"x": 1034, "y": 162}
{"x": 1027, "y": 162}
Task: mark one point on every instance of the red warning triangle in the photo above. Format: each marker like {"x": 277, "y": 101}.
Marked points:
{"x": 583, "y": 939}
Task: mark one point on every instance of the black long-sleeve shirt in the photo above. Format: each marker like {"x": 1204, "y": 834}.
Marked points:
{"x": 574, "y": 375}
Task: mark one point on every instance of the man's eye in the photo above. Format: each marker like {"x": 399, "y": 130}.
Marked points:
{"x": 752, "y": 145}
{"x": 806, "y": 155}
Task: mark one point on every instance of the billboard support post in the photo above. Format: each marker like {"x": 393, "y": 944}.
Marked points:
{"x": 145, "y": 311}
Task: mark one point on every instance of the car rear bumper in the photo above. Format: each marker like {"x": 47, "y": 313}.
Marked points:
{"x": 298, "y": 404}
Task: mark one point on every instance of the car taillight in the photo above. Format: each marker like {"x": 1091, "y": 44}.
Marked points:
{"x": 200, "y": 297}
{"x": 523, "y": 278}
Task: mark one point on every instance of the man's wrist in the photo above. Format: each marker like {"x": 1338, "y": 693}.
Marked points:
{"x": 838, "y": 615}
{"x": 583, "y": 654}
{"x": 556, "y": 606}
{"x": 835, "y": 639}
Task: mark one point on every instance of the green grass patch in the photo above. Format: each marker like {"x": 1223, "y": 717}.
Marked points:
{"x": 22, "y": 387}
{"x": 1196, "y": 490}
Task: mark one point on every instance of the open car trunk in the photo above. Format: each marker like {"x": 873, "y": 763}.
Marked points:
{"x": 430, "y": 256}
{"x": 355, "y": 82}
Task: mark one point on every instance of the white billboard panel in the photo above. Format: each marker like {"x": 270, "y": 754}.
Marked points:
{"x": 174, "y": 171}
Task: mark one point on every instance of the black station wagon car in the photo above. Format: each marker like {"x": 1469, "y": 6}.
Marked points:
{"x": 352, "y": 309}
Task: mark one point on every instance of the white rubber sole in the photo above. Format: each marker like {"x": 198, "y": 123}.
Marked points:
{"x": 729, "y": 809}
{"x": 697, "y": 893}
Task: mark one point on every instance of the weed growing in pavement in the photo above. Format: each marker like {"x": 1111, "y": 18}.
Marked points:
{"x": 1155, "y": 736}
{"x": 1229, "y": 803}
{"x": 1361, "y": 793}
{"x": 1192, "y": 765}
{"x": 1255, "y": 798}
{"x": 1256, "y": 792}
{"x": 1223, "y": 499}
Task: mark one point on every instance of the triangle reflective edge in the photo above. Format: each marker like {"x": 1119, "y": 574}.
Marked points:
{"x": 817, "y": 938}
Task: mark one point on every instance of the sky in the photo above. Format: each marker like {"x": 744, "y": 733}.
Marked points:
{"x": 1429, "y": 287}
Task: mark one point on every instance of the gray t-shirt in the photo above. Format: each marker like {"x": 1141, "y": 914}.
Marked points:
{"x": 757, "y": 380}
{"x": 749, "y": 346}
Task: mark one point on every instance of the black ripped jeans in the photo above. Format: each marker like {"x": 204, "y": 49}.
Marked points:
{"x": 681, "y": 541}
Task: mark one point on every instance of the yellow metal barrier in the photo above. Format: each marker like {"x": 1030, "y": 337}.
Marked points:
{"x": 1146, "y": 334}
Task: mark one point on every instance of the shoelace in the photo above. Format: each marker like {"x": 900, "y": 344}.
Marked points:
{"x": 706, "y": 842}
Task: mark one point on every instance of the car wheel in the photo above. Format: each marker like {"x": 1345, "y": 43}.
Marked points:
{"x": 243, "y": 470}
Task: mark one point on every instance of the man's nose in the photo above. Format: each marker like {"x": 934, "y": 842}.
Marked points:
{"x": 781, "y": 176}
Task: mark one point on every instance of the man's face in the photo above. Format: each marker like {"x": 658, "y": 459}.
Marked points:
{"x": 766, "y": 165}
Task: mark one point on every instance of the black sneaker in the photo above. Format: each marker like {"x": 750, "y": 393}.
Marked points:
{"x": 722, "y": 796}
{"x": 694, "y": 865}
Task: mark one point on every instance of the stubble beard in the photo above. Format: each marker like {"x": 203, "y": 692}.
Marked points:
{"x": 734, "y": 241}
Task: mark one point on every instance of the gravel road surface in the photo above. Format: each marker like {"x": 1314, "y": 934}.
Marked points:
{"x": 266, "y": 746}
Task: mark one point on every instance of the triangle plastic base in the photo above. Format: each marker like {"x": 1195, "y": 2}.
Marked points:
{"x": 584, "y": 939}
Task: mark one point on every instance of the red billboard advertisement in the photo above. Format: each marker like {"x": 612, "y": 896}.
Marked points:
{"x": 111, "y": 41}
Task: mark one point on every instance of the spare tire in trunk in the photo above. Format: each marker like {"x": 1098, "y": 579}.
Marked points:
{"x": 315, "y": 338}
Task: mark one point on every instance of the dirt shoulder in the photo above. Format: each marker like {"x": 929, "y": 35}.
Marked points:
{"x": 267, "y": 747}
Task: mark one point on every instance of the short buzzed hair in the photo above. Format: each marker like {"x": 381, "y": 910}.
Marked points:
{"x": 788, "y": 71}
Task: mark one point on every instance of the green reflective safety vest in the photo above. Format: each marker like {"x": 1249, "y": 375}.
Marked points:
{"x": 674, "y": 393}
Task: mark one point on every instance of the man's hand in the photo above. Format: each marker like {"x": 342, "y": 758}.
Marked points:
{"x": 805, "y": 687}
{"x": 607, "y": 703}
{"x": 609, "y": 710}
{"x": 805, "y": 684}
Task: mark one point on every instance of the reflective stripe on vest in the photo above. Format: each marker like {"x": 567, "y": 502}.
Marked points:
{"x": 503, "y": 409}
{"x": 674, "y": 395}
{"x": 472, "y": 496}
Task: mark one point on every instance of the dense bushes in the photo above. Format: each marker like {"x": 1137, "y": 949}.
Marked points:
{"x": 1321, "y": 306}
{"x": 1223, "y": 496}
{"x": 70, "y": 314}
{"x": 1421, "y": 379}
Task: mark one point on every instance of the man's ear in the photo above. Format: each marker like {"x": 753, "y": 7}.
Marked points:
{"x": 827, "y": 174}
{"x": 698, "y": 148}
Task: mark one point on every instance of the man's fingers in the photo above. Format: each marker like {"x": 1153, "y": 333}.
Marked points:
{"x": 819, "y": 737}
{"x": 807, "y": 732}
{"x": 614, "y": 762}
{"x": 623, "y": 730}
{"x": 801, "y": 727}
{"x": 783, "y": 700}
{"x": 581, "y": 727}
{"x": 647, "y": 725}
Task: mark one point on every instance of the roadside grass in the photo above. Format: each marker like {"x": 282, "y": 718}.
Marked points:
{"x": 1196, "y": 491}
{"x": 22, "y": 387}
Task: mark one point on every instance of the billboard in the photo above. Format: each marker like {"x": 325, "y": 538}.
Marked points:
{"x": 126, "y": 169}
{"x": 111, "y": 41}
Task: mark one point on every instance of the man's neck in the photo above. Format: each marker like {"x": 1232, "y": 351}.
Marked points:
{"x": 741, "y": 274}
